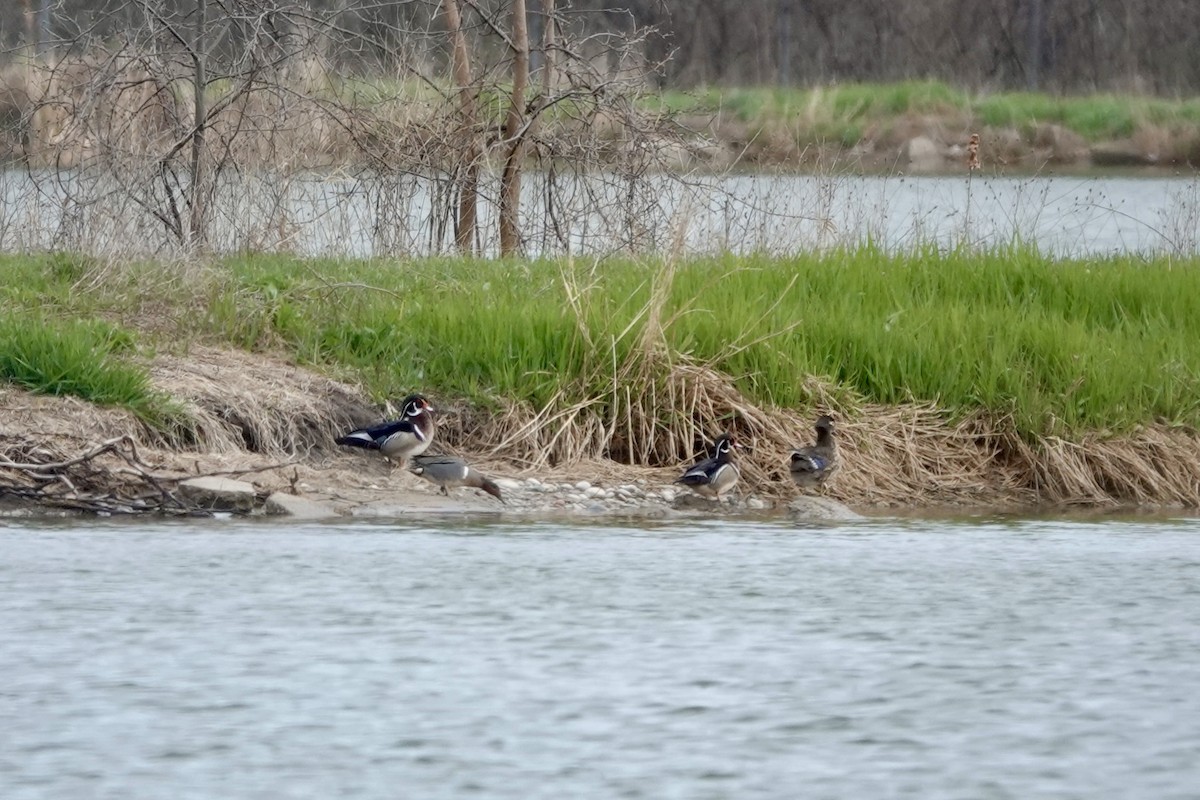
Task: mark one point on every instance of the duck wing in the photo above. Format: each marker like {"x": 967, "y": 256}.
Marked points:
{"x": 699, "y": 473}
{"x": 374, "y": 437}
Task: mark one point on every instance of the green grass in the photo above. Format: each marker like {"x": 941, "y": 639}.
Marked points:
{"x": 1063, "y": 346}
{"x": 1095, "y": 117}
{"x": 84, "y": 359}
{"x": 834, "y": 113}
{"x": 850, "y": 101}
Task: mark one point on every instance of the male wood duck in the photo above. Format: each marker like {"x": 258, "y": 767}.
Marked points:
{"x": 401, "y": 439}
{"x": 811, "y": 466}
{"x": 445, "y": 471}
{"x": 716, "y": 475}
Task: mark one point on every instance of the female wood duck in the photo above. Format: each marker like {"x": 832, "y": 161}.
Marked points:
{"x": 812, "y": 466}
{"x": 713, "y": 476}
{"x": 401, "y": 439}
{"x": 447, "y": 471}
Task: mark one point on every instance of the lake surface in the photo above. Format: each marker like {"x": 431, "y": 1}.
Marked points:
{"x": 438, "y": 658}
{"x": 396, "y": 215}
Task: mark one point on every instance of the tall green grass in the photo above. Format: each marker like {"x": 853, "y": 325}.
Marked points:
{"x": 84, "y": 359}
{"x": 1062, "y": 346}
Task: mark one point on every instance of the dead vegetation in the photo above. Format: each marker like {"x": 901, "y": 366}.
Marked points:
{"x": 164, "y": 119}
{"x": 109, "y": 477}
{"x": 241, "y": 402}
{"x": 247, "y": 415}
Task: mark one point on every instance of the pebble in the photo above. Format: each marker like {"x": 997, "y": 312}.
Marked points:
{"x": 641, "y": 497}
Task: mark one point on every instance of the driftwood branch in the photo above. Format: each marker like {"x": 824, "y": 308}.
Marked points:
{"x": 109, "y": 478}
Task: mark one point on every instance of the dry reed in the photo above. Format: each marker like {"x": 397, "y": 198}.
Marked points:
{"x": 238, "y": 401}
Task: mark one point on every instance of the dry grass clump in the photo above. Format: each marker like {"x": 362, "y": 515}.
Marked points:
{"x": 919, "y": 455}
{"x": 912, "y": 455}
{"x": 907, "y": 455}
{"x": 234, "y": 402}
{"x": 32, "y": 420}
{"x": 239, "y": 401}
{"x": 1155, "y": 465}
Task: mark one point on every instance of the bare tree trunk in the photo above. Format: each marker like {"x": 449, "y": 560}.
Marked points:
{"x": 1033, "y": 73}
{"x": 514, "y": 135}
{"x": 31, "y": 36}
{"x": 783, "y": 67}
{"x": 548, "y": 45}
{"x": 199, "y": 112}
{"x": 468, "y": 188}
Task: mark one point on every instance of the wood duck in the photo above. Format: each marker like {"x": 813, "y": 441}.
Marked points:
{"x": 445, "y": 471}
{"x": 716, "y": 475}
{"x": 812, "y": 466}
{"x": 401, "y": 439}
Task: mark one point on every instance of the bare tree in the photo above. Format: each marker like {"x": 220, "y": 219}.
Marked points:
{"x": 468, "y": 189}
{"x": 514, "y": 134}
{"x": 235, "y": 124}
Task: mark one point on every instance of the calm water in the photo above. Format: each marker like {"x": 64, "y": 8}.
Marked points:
{"x": 722, "y": 659}
{"x": 371, "y": 214}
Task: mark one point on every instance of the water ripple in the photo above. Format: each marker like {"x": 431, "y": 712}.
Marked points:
{"x": 907, "y": 659}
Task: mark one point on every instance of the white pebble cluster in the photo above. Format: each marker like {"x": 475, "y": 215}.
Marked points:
{"x": 583, "y": 496}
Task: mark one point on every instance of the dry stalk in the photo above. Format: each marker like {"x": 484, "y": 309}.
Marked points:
{"x": 108, "y": 477}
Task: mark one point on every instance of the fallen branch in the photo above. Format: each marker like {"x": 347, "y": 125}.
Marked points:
{"x": 83, "y": 483}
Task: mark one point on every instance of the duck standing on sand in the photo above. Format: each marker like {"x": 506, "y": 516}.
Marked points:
{"x": 811, "y": 466}
{"x": 446, "y": 471}
{"x": 401, "y": 439}
{"x": 713, "y": 476}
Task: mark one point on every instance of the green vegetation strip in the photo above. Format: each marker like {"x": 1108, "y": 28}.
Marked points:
{"x": 1064, "y": 346}
{"x": 82, "y": 359}
{"x": 1061, "y": 345}
{"x": 842, "y": 112}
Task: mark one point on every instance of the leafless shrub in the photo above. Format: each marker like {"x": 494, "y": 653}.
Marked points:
{"x": 193, "y": 126}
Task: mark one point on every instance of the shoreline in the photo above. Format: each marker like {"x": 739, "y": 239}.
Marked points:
{"x": 930, "y": 146}
{"x": 301, "y": 473}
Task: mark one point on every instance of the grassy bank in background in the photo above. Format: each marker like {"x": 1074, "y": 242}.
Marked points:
{"x": 793, "y": 128}
{"x": 844, "y": 114}
{"x": 1061, "y": 346}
